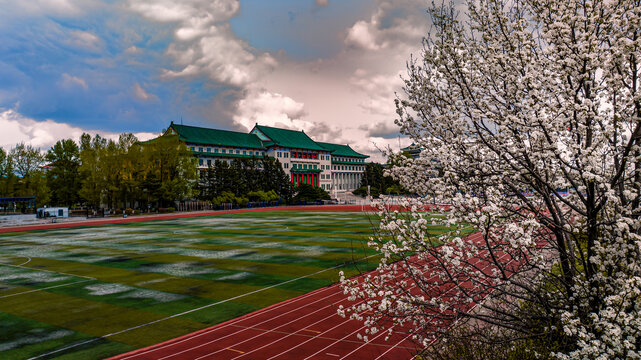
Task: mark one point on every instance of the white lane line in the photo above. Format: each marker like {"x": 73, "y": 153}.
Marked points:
{"x": 210, "y": 305}
{"x": 46, "y": 288}
{"x": 309, "y": 325}
{"x": 363, "y": 327}
{"x": 254, "y": 328}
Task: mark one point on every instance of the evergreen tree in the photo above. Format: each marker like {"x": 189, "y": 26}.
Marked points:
{"x": 63, "y": 177}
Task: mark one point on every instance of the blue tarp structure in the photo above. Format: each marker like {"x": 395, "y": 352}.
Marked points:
{"x": 12, "y": 204}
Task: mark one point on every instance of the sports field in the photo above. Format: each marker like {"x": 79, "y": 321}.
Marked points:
{"x": 93, "y": 292}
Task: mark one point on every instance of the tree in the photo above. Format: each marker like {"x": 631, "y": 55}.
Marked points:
{"x": 307, "y": 192}
{"x": 522, "y": 102}
{"x": 26, "y": 159}
{"x": 63, "y": 177}
{"x": 7, "y": 177}
{"x": 172, "y": 170}
{"x": 91, "y": 172}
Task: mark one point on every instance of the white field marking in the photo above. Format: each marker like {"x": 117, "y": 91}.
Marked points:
{"x": 87, "y": 278}
{"x": 182, "y": 313}
{"x": 46, "y": 288}
{"x": 51, "y": 271}
{"x": 26, "y": 262}
{"x": 361, "y": 328}
{"x": 330, "y": 354}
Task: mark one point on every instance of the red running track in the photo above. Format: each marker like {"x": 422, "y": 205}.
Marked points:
{"x": 305, "y": 327}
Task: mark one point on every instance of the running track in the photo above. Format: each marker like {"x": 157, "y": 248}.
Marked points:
{"x": 305, "y": 327}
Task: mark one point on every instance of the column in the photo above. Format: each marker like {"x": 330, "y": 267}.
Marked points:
{"x": 292, "y": 178}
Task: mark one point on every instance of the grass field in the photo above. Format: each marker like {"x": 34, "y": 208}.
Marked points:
{"x": 82, "y": 293}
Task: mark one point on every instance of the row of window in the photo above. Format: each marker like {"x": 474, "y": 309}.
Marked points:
{"x": 210, "y": 162}
{"x": 282, "y": 154}
{"x": 228, "y": 151}
{"x": 304, "y": 166}
{"x": 349, "y": 159}
{"x": 304, "y": 155}
{"x": 348, "y": 167}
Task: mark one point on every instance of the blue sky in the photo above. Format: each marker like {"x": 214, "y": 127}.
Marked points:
{"x": 68, "y": 66}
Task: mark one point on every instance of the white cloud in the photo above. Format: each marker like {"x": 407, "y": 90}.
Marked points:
{"x": 69, "y": 81}
{"x": 221, "y": 56}
{"x": 142, "y": 94}
{"x": 63, "y": 8}
{"x": 271, "y": 109}
{"x": 204, "y": 42}
{"x": 85, "y": 39}
{"x": 133, "y": 50}
{"x": 44, "y": 134}
{"x": 186, "y": 10}
{"x": 394, "y": 23}
{"x": 380, "y": 90}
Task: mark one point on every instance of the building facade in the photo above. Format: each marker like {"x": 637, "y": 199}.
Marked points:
{"x": 326, "y": 165}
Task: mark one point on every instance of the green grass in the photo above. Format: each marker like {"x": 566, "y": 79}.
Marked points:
{"x": 94, "y": 281}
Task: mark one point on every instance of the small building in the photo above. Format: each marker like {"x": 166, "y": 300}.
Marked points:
{"x": 53, "y": 212}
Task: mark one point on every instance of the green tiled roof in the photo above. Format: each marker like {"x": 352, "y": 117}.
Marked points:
{"x": 341, "y": 150}
{"x": 219, "y": 155}
{"x": 205, "y": 136}
{"x": 289, "y": 138}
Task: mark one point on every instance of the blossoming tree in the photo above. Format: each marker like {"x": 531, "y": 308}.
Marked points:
{"x": 530, "y": 113}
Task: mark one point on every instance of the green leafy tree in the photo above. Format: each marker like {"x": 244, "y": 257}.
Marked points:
{"x": 63, "y": 176}
{"x": 7, "y": 177}
{"x": 91, "y": 171}
{"x": 26, "y": 159}
{"x": 171, "y": 169}
{"x": 306, "y": 192}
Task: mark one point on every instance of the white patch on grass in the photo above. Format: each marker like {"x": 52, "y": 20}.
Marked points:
{"x": 236, "y": 276}
{"x": 159, "y": 296}
{"x": 34, "y": 339}
{"x": 107, "y": 289}
{"x": 182, "y": 269}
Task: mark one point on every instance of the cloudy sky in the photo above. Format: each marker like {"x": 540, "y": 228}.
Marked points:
{"x": 329, "y": 67}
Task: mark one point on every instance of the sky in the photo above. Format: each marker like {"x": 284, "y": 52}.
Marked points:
{"x": 329, "y": 67}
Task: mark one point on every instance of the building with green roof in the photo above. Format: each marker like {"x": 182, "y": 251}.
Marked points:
{"x": 326, "y": 165}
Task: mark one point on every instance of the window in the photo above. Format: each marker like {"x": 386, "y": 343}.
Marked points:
{"x": 286, "y": 166}
{"x": 286, "y": 154}
{"x": 224, "y": 151}
{"x": 314, "y": 166}
{"x": 208, "y": 162}
{"x": 304, "y": 166}
{"x": 237, "y": 151}
{"x": 216, "y": 150}
{"x": 200, "y": 149}
{"x": 208, "y": 149}
{"x": 244, "y": 152}
{"x": 200, "y": 162}
{"x": 193, "y": 148}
